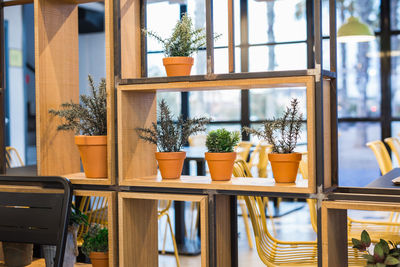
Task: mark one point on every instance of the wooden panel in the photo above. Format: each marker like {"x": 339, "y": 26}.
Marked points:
{"x": 112, "y": 221}
{"x": 137, "y": 158}
{"x": 236, "y": 183}
{"x": 359, "y": 205}
{"x": 130, "y": 39}
{"x": 204, "y": 232}
{"x": 138, "y": 231}
{"x": 223, "y": 230}
{"x": 311, "y": 134}
{"x": 231, "y": 37}
{"x": 334, "y": 237}
{"x": 80, "y": 178}
{"x": 221, "y": 84}
{"x": 110, "y": 82}
{"x": 327, "y": 134}
{"x": 57, "y": 81}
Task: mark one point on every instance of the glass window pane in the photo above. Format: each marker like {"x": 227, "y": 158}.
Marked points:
{"x": 221, "y": 60}
{"x": 272, "y": 102}
{"x": 173, "y": 100}
{"x": 359, "y": 79}
{"x": 221, "y": 22}
{"x": 395, "y": 133}
{"x": 395, "y": 14}
{"x": 219, "y": 105}
{"x": 395, "y": 61}
{"x": 357, "y": 164}
{"x": 277, "y": 21}
{"x": 278, "y": 57}
{"x": 229, "y": 126}
{"x": 366, "y": 11}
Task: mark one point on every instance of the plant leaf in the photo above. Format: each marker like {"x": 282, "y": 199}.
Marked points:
{"x": 391, "y": 260}
{"x": 365, "y": 239}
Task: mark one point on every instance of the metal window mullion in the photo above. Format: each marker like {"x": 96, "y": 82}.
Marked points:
{"x": 210, "y": 37}
{"x": 2, "y": 101}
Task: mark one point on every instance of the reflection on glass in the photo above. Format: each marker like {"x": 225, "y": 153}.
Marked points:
{"x": 359, "y": 79}
{"x": 219, "y": 105}
{"x": 272, "y": 102}
{"x": 278, "y": 57}
{"x": 357, "y": 164}
{"x": 277, "y": 21}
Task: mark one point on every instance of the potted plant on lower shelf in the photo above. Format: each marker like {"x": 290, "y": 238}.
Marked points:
{"x": 89, "y": 121}
{"x": 220, "y": 156}
{"x": 184, "y": 41}
{"x": 95, "y": 245}
{"x": 76, "y": 219}
{"x": 283, "y": 134}
{"x": 170, "y": 137}
{"x": 379, "y": 255}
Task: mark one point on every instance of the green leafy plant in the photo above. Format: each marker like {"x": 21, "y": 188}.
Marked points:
{"x": 384, "y": 253}
{"x": 90, "y": 116}
{"x": 184, "y": 40}
{"x": 95, "y": 240}
{"x": 77, "y": 217}
{"x": 222, "y": 141}
{"x": 283, "y": 132}
{"x": 168, "y": 135}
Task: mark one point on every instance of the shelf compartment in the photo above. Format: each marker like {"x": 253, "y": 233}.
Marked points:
{"x": 138, "y": 227}
{"x": 137, "y": 107}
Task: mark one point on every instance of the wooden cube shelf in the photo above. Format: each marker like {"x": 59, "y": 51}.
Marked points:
{"x": 137, "y": 107}
{"x": 111, "y": 221}
{"x": 334, "y": 227}
{"x": 57, "y": 81}
{"x": 138, "y": 227}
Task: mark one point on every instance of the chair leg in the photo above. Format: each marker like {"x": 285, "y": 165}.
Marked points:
{"x": 246, "y": 224}
{"x": 165, "y": 238}
{"x": 271, "y": 218}
{"x": 173, "y": 241}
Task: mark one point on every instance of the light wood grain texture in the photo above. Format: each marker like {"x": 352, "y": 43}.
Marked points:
{"x": 80, "y": 178}
{"x": 311, "y": 134}
{"x": 110, "y": 82}
{"x": 223, "y": 230}
{"x": 327, "y": 134}
{"x": 16, "y": 2}
{"x": 57, "y": 81}
{"x": 334, "y": 237}
{"x": 112, "y": 221}
{"x": 220, "y": 84}
{"x": 231, "y": 37}
{"x": 29, "y": 189}
{"x": 130, "y": 39}
{"x": 360, "y": 205}
{"x": 236, "y": 183}
{"x": 139, "y": 226}
{"x": 41, "y": 263}
{"x": 138, "y": 230}
{"x": 136, "y": 158}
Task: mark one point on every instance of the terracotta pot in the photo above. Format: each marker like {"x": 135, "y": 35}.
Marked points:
{"x": 93, "y": 150}
{"x": 170, "y": 164}
{"x": 99, "y": 259}
{"x": 17, "y": 254}
{"x": 284, "y": 166}
{"x": 220, "y": 165}
{"x": 178, "y": 66}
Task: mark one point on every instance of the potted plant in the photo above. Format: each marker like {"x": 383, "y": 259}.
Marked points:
{"x": 95, "y": 245}
{"x": 382, "y": 254}
{"x": 170, "y": 138}
{"x": 283, "y": 134}
{"x": 17, "y": 254}
{"x": 184, "y": 41}
{"x": 220, "y": 156}
{"x": 76, "y": 219}
{"x": 89, "y": 121}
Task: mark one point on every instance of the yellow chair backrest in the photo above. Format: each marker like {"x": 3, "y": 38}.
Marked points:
{"x": 261, "y": 152}
{"x": 382, "y": 156}
{"x": 243, "y": 150}
{"x": 13, "y": 159}
{"x": 241, "y": 169}
{"x": 197, "y": 140}
{"x": 394, "y": 144}
{"x": 96, "y": 210}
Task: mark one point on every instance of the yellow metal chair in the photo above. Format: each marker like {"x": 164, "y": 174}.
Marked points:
{"x": 241, "y": 169}
{"x": 259, "y": 158}
{"x": 197, "y": 140}
{"x": 382, "y": 156}
{"x": 243, "y": 150}
{"x": 394, "y": 144}
{"x": 13, "y": 159}
{"x": 163, "y": 210}
{"x": 95, "y": 209}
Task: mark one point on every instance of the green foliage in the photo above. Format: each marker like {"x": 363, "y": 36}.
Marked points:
{"x": 95, "y": 240}
{"x": 283, "y": 132}
{"x": 385, "y": 253}
{"x": 77, "y": 217}
{"x": 168, "y": 135}
{"x": 184, "y": 41}
{"x": 222, "y": 140}
{"x": 90, "y": 116}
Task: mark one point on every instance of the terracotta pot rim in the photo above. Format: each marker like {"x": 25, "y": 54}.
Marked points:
{"x": 91, "y": 139}
{"x": 171, "y": 155}
{"x": 295, "y": 156}
{"x": 178, "y": 61}
{"x": 220, "y": 155}
{"x": 96, "y": 254}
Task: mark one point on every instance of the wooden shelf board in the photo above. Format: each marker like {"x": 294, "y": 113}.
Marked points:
{"x": 361, "y": 205}
{"x": 235, "y": 184}
{"x": 227, "y": 84}
{"x": 80, "y": 178}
